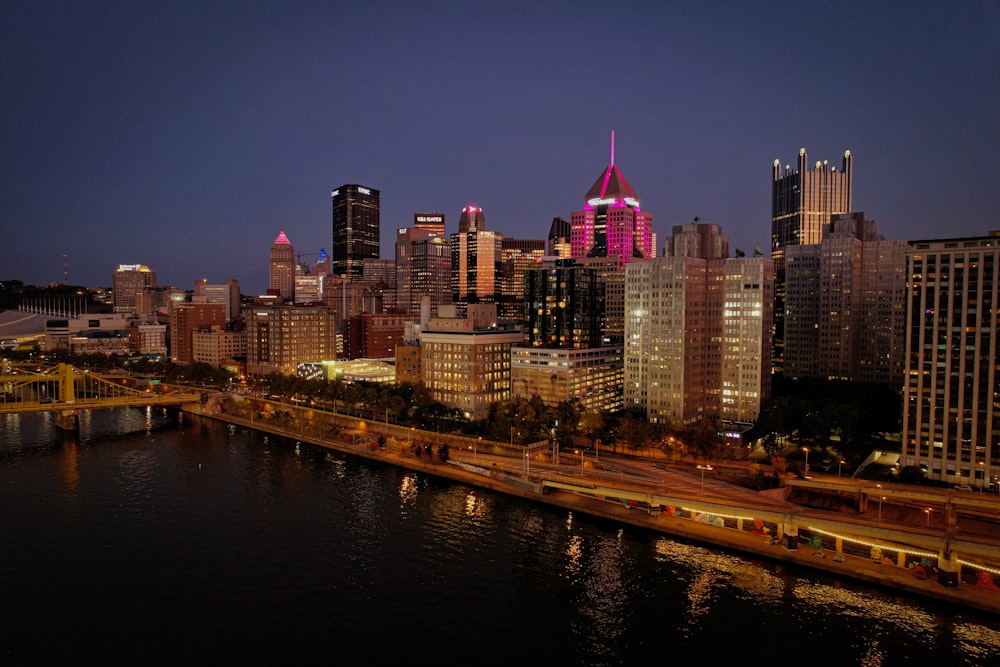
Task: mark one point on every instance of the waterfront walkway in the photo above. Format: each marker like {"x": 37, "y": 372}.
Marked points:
{"x": 506, "y": 475}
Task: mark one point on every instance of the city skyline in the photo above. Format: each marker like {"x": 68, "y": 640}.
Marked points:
{"x": 185, "y": 138}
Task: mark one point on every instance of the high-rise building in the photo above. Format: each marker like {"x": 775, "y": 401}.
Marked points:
{"x": 185, "y": 319}
{"x": 697, "y": 239}
{"x": 845, "y": 304}
{"x": 559, "y": 238}
{"x": 355, "y": 229}
{"x": 475, "y": 260}
{"x": 951, "y": 422}
{"x": 611, "y": 223}
{"x": 563, "y": 354}
{"x": 423, "y": 268}
{"x": 228, "y": 294}
{"x": 379, "y": 275}
{"x": 516, "y": 257}
{"x": 466, "y": 360}
{"x": 279, "y": 337}
{"x": 802, "y": 201}
{"x": 431, "y": 222}
{"x": 127, "y": 281}
{"x": 281, "y": 277}
{"x": 563, "y": 306}
{"x": 697, "y": 334}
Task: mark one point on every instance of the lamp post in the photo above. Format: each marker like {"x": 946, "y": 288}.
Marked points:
{"x": 703, "y": 469}
{"x": 928, "y": 513}
{"x": 806, "y": 450}
{"x": 982, "y": 475}
{"x": 474, "y": 460}
{"x": 839, "y": 465}
{"x": 581, "y": 459}
{"x": 880, "y": 499}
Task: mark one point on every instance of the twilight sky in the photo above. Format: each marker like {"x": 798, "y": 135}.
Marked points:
{"x": 186, "y": 135}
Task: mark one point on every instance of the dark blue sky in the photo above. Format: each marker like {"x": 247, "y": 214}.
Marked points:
{"x": 185, "y": 135}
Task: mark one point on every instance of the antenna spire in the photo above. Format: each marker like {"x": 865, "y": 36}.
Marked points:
{"x": 612, "y": 148}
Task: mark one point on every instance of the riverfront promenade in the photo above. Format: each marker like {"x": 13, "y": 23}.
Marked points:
{"x": 612, "y": 490}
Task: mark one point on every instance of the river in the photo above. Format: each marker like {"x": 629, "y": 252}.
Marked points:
{"x": 151, "y": 534}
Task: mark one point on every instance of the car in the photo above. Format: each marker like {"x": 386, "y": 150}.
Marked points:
{"x": 46, "y": 399}
{"x": 963, "y": 487}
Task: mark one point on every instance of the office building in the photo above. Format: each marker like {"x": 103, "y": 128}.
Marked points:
{"x": 227, "y": 294}
{"x": 127, "y": 281}
{"x": 845, "y": 304}
{"x": 423, "y": 267}
{"x": 516, "y": 257}
{"x": 697, "y": 335}
{"x": 802, "y": 202}
{"x": 475, "y": 260}
{"x": 560, "y": 233}
{"x": 281, "y": 274}
{"x": 355, "y": 229}
{"x": 563, "y": 306}
{"x": 185, "y": 319}
{"x": 594, "y": 376}
{"x": 217, "y": 346}
{"x": 611, "y": 223}
{"x": 279, "y": 337}
{"x": 466, "y": 360}
{"x": 430, "y": 222}
{"x": 951, "y": 391}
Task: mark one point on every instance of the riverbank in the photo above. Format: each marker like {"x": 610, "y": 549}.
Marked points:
{"x": 852, "y": 567}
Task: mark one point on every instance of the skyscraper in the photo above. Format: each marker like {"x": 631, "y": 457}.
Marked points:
{"x": 475, "y": 260}
{"x": 281, "y": 277}
{"x": 697, "y": 332}
{"x": 127, "y": 281}
{"x": 611, "y": 223}
{"x": 951, "y": 423}
{"x": 355, "y": 229}
{"x": 845, "y": 304}
{"x": 423, "y": 267}
{"x": 802, "y": 201}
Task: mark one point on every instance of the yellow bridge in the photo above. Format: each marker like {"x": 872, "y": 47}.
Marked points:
{"x": 66, "y": 389}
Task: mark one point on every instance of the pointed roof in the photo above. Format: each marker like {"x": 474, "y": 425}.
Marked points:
{"x": 611, "y": 184}
{"x": 282, "y": 239}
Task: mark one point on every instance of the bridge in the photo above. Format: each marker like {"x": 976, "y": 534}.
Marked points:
{"x": 65, "y": 389}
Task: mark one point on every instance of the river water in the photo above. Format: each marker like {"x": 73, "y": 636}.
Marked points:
{"x": 151, "y": 534}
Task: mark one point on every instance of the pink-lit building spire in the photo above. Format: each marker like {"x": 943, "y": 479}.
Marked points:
{"x": 611, "y": 223}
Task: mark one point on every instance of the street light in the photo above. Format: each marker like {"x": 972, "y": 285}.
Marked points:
{"x": 982, "y": 475}
{"x": 703, "y": 469}
{"x": 928, "y": 513}
{"x": 842, "y": 462}
{"x": 581, "y": 459}
{"x": 806, "y": 450}
{"x": 880, "y": 499}
{"x": 474, "y": 460}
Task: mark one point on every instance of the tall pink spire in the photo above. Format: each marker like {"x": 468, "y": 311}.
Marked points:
{"x": 282, "y": 239}
{"x": 612, "y": 148}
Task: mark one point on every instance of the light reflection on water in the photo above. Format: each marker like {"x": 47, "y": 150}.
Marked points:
{"x": 205, "y": 535}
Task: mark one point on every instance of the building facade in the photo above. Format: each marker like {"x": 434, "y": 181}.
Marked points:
{"x": 466, "y": 360}
{"x": 475, "y": 260}
{"x": 356, "y": 225}
{"x": 281, "y": 269}
{"x": 127, "y": 281}
{"x": 185, "y": 319}
{"x": 845, "y": 304}
{"x": 517, "y": 256}
{"x": 279, "y": 337}
{"x": 611, "y": 223}
{"x": 697, "y": 336}
{"x": 802, "y": 202}
{"x": 423, "y": 268}
{"x": 951, "y": 392}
